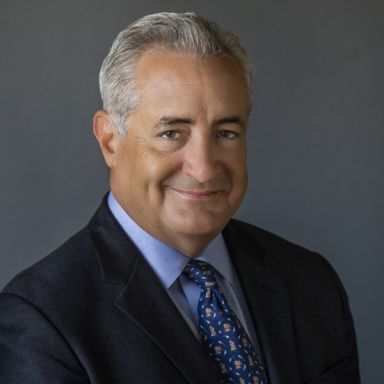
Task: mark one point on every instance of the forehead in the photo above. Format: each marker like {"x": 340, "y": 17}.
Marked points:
{"x": 162, "y": 73}
{"x": 162, "y": 58}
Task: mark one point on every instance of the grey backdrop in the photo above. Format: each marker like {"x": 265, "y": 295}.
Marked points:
{"x": 315, "y": 140}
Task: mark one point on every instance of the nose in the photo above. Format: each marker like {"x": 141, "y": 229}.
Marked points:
{"x": 201, "y": 159}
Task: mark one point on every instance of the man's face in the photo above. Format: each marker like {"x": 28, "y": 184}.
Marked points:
{"x": 180, "y": 172}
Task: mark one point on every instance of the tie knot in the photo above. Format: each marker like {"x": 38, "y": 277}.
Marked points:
{"x": 201, "y": 273}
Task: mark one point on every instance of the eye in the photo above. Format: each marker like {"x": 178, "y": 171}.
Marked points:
{"x": 171, "y": 135}
{"x": 226, "y": 134}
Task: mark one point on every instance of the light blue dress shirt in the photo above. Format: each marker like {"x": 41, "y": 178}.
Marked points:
{"x": 168, "y": 264}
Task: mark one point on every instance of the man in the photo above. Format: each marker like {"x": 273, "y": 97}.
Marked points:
{"x": 162, "y": 286}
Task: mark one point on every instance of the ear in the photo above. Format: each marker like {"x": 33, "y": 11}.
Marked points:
{"x": 106, "y": 135}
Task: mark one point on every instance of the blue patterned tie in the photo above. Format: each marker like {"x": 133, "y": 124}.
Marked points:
{"x": 223, "y": 335}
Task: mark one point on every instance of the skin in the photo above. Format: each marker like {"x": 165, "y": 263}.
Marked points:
{"x": 180, "y": 172}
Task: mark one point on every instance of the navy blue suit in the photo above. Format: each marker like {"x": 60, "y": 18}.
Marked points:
{"x": 93, "y": 311}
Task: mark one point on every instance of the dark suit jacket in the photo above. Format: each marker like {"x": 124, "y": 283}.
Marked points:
{"x": 94, "y": 312}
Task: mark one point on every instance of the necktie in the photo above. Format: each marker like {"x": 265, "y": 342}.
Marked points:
{"x": 222, "y": 333}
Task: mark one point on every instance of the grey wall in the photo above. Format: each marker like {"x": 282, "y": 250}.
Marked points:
{"x": 315, "y": 141}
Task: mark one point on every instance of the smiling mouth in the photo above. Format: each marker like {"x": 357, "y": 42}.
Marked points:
{"x": 197, "y": 194}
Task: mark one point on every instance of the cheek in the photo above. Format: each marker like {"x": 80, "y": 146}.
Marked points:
{"x": 156, "y": 167}
{"x": 239, "y": 175}
{"x": 236, "y": 163}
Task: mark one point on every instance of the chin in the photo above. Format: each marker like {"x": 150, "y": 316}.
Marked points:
{"x": 201, "y": 224}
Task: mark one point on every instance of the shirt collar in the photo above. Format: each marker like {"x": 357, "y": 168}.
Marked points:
{"x": 167, "y": 262}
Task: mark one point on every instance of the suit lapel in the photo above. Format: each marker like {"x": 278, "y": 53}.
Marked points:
{"x": 268, "y": 302}
{"x": 145, "y": 301}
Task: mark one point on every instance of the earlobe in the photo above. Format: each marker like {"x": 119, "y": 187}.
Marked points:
{"x": 105, "y": 135}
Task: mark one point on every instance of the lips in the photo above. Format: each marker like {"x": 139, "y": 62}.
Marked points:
{"x": 197, "y": 194}
{"x": 190, "y": 186}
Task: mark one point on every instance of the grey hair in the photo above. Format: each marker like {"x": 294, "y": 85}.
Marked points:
{"x": 180, "y": 32}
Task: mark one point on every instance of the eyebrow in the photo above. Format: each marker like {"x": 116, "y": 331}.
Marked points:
{"x": 231, "y": 120}
{"x": 167, "y": 121}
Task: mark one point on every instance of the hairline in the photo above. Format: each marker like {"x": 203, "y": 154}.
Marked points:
{"x": 122, "y": 85}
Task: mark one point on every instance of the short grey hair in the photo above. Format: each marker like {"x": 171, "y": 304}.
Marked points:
{"x": 180, "y": 32}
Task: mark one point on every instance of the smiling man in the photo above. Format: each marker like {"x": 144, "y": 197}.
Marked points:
{"x": 180, "y": 169}
{"x": 162, "y": 286}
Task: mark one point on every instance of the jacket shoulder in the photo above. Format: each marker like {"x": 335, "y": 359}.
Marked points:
{"x": 58, "y": 269}
{"x": 276, "y": 247}
{"x": 297, "y": 265}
